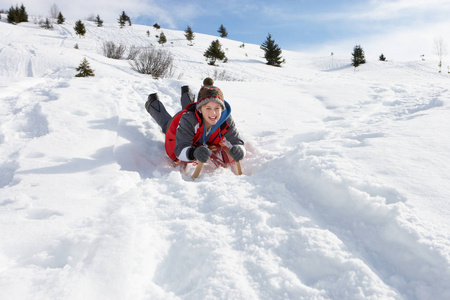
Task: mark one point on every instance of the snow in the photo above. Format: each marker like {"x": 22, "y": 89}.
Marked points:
{"x": 345, "y": 191}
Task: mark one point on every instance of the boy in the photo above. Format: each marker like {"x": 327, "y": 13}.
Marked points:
{"x": 200, "y": 124}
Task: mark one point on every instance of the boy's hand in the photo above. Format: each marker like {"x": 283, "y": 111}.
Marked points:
{"x": 237, "y": 153}
{"x": 202, "y": 153}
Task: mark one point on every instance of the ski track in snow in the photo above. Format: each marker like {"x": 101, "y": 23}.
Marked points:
{"x": 91, "y": 207}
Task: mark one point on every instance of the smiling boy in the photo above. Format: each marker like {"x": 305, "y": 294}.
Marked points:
{"x": 199, "y": 125}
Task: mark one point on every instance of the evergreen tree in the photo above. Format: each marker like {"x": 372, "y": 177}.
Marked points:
{"x": 17, "y": 15}
{"x": 46, "y": 24}
{"x": 223, "y": 32}
{"x": 358, "y": 56}
{"x": 189, "y": 35}
{"x": 23, "y": 16}
{"x": 99, "y": 21}
{"x": 162, "y": 38}
{"x": 156, "y": 26}
{"x": 123, "y": 19}
{"x": 272, "y": 52}
{"x": 79, "y": 28}
{"x": 382, "y": 57}
{"x": 214, "y": 52}
{"x": 84, "y": 70}
{"x": 61, "y": 19}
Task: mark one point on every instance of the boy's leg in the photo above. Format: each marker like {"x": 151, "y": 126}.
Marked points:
{"x": 186, "y": 96}
{"x": 157, "y": 110}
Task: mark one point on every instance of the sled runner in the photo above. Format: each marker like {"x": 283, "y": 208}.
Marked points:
{"x": 219, "y": 157}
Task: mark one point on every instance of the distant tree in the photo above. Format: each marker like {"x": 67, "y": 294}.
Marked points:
{"x": 76, "y": 46}
{"x": 441, "y": 50}
{"x": 358, "y": 56}
{"x": 98, "y": 21}
{"x": 189, "y": 35}
{"x": 382, "y": 57}
{"x": 84, "y": 70}
{"x": 214, "y": 52}
{"x": 156, "y": 26}
{"x": 54, "y": 10}
{"x": 223, "y": 32}
{"x": 79, "y": 28}
{"x": 123, "y": 19}
{"x": 162, "y": 38}
{"x": 46, "y": 24}
{"x": 272, "y": 52}
{"x": 23, "y": 16}
{"x": 148, "y": 33}
{"x": 17, "y": 15}
{"x": 61, "y": 19}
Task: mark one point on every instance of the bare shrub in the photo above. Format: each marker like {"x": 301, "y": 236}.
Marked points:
{"x": 133, "y": 52}
{"x": 155, "y": 62}
{"x": 112, "y": 50}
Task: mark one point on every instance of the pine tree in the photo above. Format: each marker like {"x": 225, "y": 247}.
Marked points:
{"x": 123, "y": 19}
{"x": 99, "y": 21}
{"x": 84, "y": 70}
{"x": 382, "y": 57}
{"x": 358, "y": 56}
{"x": 189, "y": 35}
{"x": 23, "y": 16}
{"x": 214, "y": 52}
{"x": 46, "y": 24}
{"x": 79, "y": 28}
{"x": 156, "y": 26}
{"x": 17, "y": 15}
{"x": 61, "y": 19}
{"x": 162, "y": 38}
{"x": 272, "y": 52}
{"x": 223, "y": 32}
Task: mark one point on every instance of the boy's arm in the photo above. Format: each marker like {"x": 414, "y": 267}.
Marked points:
{"x": 185, "y": 136}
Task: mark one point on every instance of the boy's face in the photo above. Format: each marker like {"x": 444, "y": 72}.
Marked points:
{"x": 211, "y": 112}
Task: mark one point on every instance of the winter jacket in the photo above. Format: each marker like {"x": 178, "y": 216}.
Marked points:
{"x": 187, "y": 130}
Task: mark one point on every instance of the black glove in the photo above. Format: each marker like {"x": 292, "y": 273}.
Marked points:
{"x": 237, "y": 153}
{"x": 202, "y": 153}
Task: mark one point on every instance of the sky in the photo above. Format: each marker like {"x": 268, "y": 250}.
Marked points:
{"x": 400, "y": 29}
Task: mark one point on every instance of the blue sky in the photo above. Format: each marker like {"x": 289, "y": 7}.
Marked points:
{"x": 401, "y": 29}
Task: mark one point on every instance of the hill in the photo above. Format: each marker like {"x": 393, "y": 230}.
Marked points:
{"x": 345, "y": 192}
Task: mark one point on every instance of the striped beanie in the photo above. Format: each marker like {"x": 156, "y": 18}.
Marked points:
{"x": 210, "y": 93}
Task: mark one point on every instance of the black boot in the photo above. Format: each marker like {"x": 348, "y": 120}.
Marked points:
{"x": 151, "y": 98}
{"x": 157, "y": 110}
{"x": 185, "y": 89}
{"x": 187, "y": 97}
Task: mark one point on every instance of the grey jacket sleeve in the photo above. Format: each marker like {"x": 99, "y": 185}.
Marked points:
{"x": 185, "y": 132}
{"x": 232, "y": 135}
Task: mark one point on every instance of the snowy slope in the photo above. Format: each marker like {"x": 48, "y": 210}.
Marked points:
{"x": 345, "y": 192}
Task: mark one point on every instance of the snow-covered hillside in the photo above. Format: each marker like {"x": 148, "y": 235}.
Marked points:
{"x": 345, "y": 192}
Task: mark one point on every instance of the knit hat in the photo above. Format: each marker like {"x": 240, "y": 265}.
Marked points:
{"x": 210, "y": 94}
